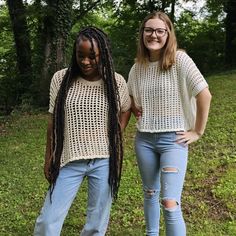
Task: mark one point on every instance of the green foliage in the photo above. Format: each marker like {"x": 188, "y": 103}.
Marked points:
{"x": 203, "y": 40}
{"x": 9, "y": 85}
{"x": 209, "y": 195}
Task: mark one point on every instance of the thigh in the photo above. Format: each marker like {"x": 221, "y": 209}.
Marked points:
{"x": 173, "y": 164}
{"x": 148, "y": 160}
{"x": 98, "y": 175}
{"x": 64, "y": 192}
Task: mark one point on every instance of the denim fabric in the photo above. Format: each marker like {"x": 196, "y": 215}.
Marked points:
{"x": 155, "y": 152}
{"x": 51, "y": 218}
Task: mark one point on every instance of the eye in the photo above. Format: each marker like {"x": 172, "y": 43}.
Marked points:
{"x": 148, "y": 30}
{"x": 93, "y": 56}
{"x": 160, "y": 31}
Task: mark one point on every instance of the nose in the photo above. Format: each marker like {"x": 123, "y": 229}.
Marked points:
{"x": 154, "y": 34}
{"x": 85, "y": 61}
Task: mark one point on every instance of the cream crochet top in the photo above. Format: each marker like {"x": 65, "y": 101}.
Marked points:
{"x": 86, "y": 117}
{"x": 167, "y": 98}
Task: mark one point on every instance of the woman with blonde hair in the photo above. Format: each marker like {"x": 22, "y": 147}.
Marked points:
{"x": 171, "y": 101}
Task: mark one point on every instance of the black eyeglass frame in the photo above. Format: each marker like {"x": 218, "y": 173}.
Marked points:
{"x": 154, "y": 30}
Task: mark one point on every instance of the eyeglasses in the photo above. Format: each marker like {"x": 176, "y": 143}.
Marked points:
{"x": 160, "y": 32}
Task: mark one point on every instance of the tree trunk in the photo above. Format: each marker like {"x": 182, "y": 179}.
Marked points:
{"x": 230, "y": 39}
{"x": 57, "y": 26}
{"x": 22, "y": 43}
{"x": 172, "y": 12}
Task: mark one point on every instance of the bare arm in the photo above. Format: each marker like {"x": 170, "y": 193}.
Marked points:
{"x": 137, "y": 112}
{"x": 48, "y": 155}
{"x": 203, "y": 106}
{"x": 124, "y": 119}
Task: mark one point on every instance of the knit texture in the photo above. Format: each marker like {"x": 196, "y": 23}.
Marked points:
{"x": 167, "y": 98}
{"x": 86, "y": 116}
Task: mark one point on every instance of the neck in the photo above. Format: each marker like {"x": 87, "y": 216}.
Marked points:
{"x": 92, "y": 78}
{"x": 154, "y": 56}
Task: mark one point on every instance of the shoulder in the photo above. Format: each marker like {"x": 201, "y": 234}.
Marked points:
{"x": 135, "y": 67}
{"x": 119, "y": 78}
{"x": 183, "y": 60}
{"x": 180, "y": 54}
{"x": 58, "y": 77}
{"x": 60, "y": 74}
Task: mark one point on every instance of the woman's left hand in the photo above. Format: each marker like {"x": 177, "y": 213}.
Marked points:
{"x": 187, "y": 137}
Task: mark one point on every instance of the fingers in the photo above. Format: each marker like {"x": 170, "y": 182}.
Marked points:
{"x": 186, "y": 137}
{"x": 137, "y": 112}
{"x": 138, "y": 115}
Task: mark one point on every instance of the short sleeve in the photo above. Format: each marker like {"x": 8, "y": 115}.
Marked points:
{"x": 194, "y": 79}
{"x": 123, "y": 93}
{"x": 54, "y": 88}
{"x": 130, "y": 82}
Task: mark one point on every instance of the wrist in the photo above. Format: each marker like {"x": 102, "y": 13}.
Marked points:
{"x": 199, "y": 133}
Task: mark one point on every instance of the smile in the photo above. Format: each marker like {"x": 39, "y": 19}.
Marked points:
{"x": 86, "y": 68}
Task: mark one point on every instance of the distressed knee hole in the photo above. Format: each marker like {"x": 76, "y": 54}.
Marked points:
{"x": 170, "y": 170}
{"x": 169, "y": 204}
{"x": 150, "y": 192}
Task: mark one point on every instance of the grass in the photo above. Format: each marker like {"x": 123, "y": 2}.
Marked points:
{"x": 209, "y": 196}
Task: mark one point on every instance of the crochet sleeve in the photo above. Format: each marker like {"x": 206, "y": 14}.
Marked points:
{"x": 194, "y": 79}
{"x": 131, "y": 81}
{"x": 54, "y": 88}
{"x": 123, "y": 92}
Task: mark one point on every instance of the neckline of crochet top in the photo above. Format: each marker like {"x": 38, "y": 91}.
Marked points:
{"x": 90, "y": 82}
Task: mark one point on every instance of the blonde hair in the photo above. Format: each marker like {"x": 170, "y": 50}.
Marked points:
{"x": 168, "y": 52}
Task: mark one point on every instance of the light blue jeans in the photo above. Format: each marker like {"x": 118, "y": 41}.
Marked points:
{"x": 156, "y": 152}
{"x": 52, "y": 216}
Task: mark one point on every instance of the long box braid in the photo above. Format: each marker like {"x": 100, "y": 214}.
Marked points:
{"x": 107, "y": 72}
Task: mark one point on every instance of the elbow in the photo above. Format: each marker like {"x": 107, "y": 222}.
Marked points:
{"x": 209, "y": 96}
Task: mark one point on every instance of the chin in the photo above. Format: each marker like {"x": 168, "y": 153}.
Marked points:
{"x": 154, "y": 49}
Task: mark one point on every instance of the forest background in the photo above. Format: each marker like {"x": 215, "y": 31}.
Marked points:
{"x": 36, "y": 40}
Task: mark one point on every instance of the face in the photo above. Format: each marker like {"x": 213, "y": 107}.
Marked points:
{"x": 87, "y": 59}
{"x": 155, "y": 35}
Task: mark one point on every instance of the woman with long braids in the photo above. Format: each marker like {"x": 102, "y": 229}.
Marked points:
{"x": 89, "y": 103}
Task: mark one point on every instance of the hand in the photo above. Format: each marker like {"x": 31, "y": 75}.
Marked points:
{"x": 137, "y": 112}
{"x": 187, "y": 137}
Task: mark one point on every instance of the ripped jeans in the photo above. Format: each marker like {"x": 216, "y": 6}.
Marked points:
{"x": 162, "y": 165}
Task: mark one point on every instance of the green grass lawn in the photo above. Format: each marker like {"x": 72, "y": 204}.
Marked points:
{"x": 209, "y": 197}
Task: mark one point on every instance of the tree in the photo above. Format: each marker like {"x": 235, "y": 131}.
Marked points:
{"x": 217, "y": 7}
{"x": 53, "y": 22}
{"x": 22, "y": 43}
{"x": 53, "y": 33}
{"x": 55, "y": 25}
{"x": 230, "y": 35}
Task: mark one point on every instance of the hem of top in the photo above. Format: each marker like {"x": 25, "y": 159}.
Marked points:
{"x": 159, "y": 131}
{"x": 125, "y": 110}
{"x": 83, "y": 158}
{"x": 203, "y": 86}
